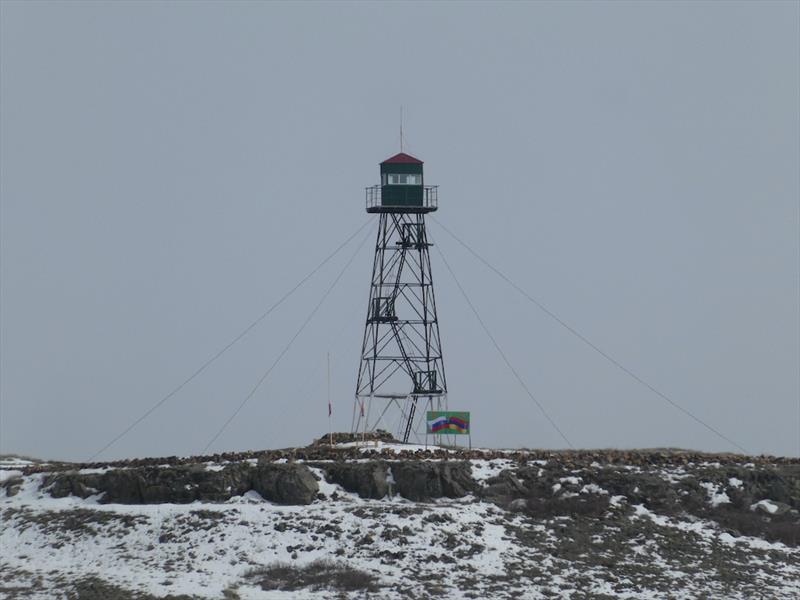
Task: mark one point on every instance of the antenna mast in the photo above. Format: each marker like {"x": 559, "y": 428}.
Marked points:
{"x": 401, "y": 129}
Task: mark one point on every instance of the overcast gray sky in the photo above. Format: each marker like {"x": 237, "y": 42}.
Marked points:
{"x": 170, "y": 170}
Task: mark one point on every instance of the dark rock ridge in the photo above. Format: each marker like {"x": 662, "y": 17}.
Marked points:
{"x": 422, "y": 481}
{"x": 289, "y": 483}
{"x": 414, "y": 480}
{"x": 367, "y": 479}
{"x": 280, "y": 483}
{"x": 322, "y": 451}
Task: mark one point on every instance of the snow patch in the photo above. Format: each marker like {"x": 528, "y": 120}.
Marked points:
{"x": 767, "y": 505}
{"x": 16, "y": 462}
{"x": 485, "y": 469}
{"x": 617, "y": 501}
{"x": 6, "y": 475}
{"x": 571, "y": 480}
{"x": 715, "y": 498}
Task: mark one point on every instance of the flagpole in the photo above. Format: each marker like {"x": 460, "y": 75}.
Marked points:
{"x": 330, "y": 408}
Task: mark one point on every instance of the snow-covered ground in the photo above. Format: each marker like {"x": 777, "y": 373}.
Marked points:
{"x": 458, "y": 548}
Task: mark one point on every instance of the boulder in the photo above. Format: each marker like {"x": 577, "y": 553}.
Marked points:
{"x": 457, "y": 479}
{"x": 504, "y": 487}
{"x": 771, "y": 508}
{"x": 288, "y": 483}
{"x": 367, "y": 479}
{"x": 70, "y": 483}
{"x": 424, "y": 481}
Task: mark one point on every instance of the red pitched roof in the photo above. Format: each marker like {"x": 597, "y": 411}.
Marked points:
{"x": 402, "y": 158}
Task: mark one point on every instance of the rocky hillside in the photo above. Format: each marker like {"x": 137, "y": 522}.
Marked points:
{"x": 391, "y": 521}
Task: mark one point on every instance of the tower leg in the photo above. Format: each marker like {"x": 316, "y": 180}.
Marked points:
{"x": 401, "y": 353}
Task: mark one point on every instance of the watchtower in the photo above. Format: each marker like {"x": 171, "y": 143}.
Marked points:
{"x": 401, "y": 354}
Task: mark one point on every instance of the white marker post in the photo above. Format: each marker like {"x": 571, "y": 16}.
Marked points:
{"x": 330, "y": 408}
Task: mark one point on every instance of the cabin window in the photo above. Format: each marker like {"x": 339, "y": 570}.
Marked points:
{"x": 404, "y": 179}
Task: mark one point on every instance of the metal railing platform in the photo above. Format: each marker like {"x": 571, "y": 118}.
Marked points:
{"x": 428, "y": 203}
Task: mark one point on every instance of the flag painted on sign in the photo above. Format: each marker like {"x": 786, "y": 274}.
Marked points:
{"x": 448, "y": 422}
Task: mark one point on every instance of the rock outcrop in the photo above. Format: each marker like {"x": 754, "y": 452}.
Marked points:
{"x": 424, "y": 481}
{"x": 367, "y": 479}
{"x": 280, "y": 483}
{"x": 416, "y": 480}
{"x": 283, "y": 483}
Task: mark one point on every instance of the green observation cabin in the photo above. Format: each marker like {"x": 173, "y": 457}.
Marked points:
{"x": 402, "y": 188}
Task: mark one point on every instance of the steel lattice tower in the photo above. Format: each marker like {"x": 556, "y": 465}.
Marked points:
{"x": 401, "y": 354}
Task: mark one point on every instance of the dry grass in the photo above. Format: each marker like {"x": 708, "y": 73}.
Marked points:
{"x": 315, "y": 576}
{"x": 785, "y": 529}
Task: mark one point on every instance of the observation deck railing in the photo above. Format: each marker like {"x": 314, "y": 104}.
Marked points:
{"x": 429, "y": 201}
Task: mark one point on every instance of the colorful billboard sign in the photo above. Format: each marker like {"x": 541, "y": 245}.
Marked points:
{"x": 448, "y": 422}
